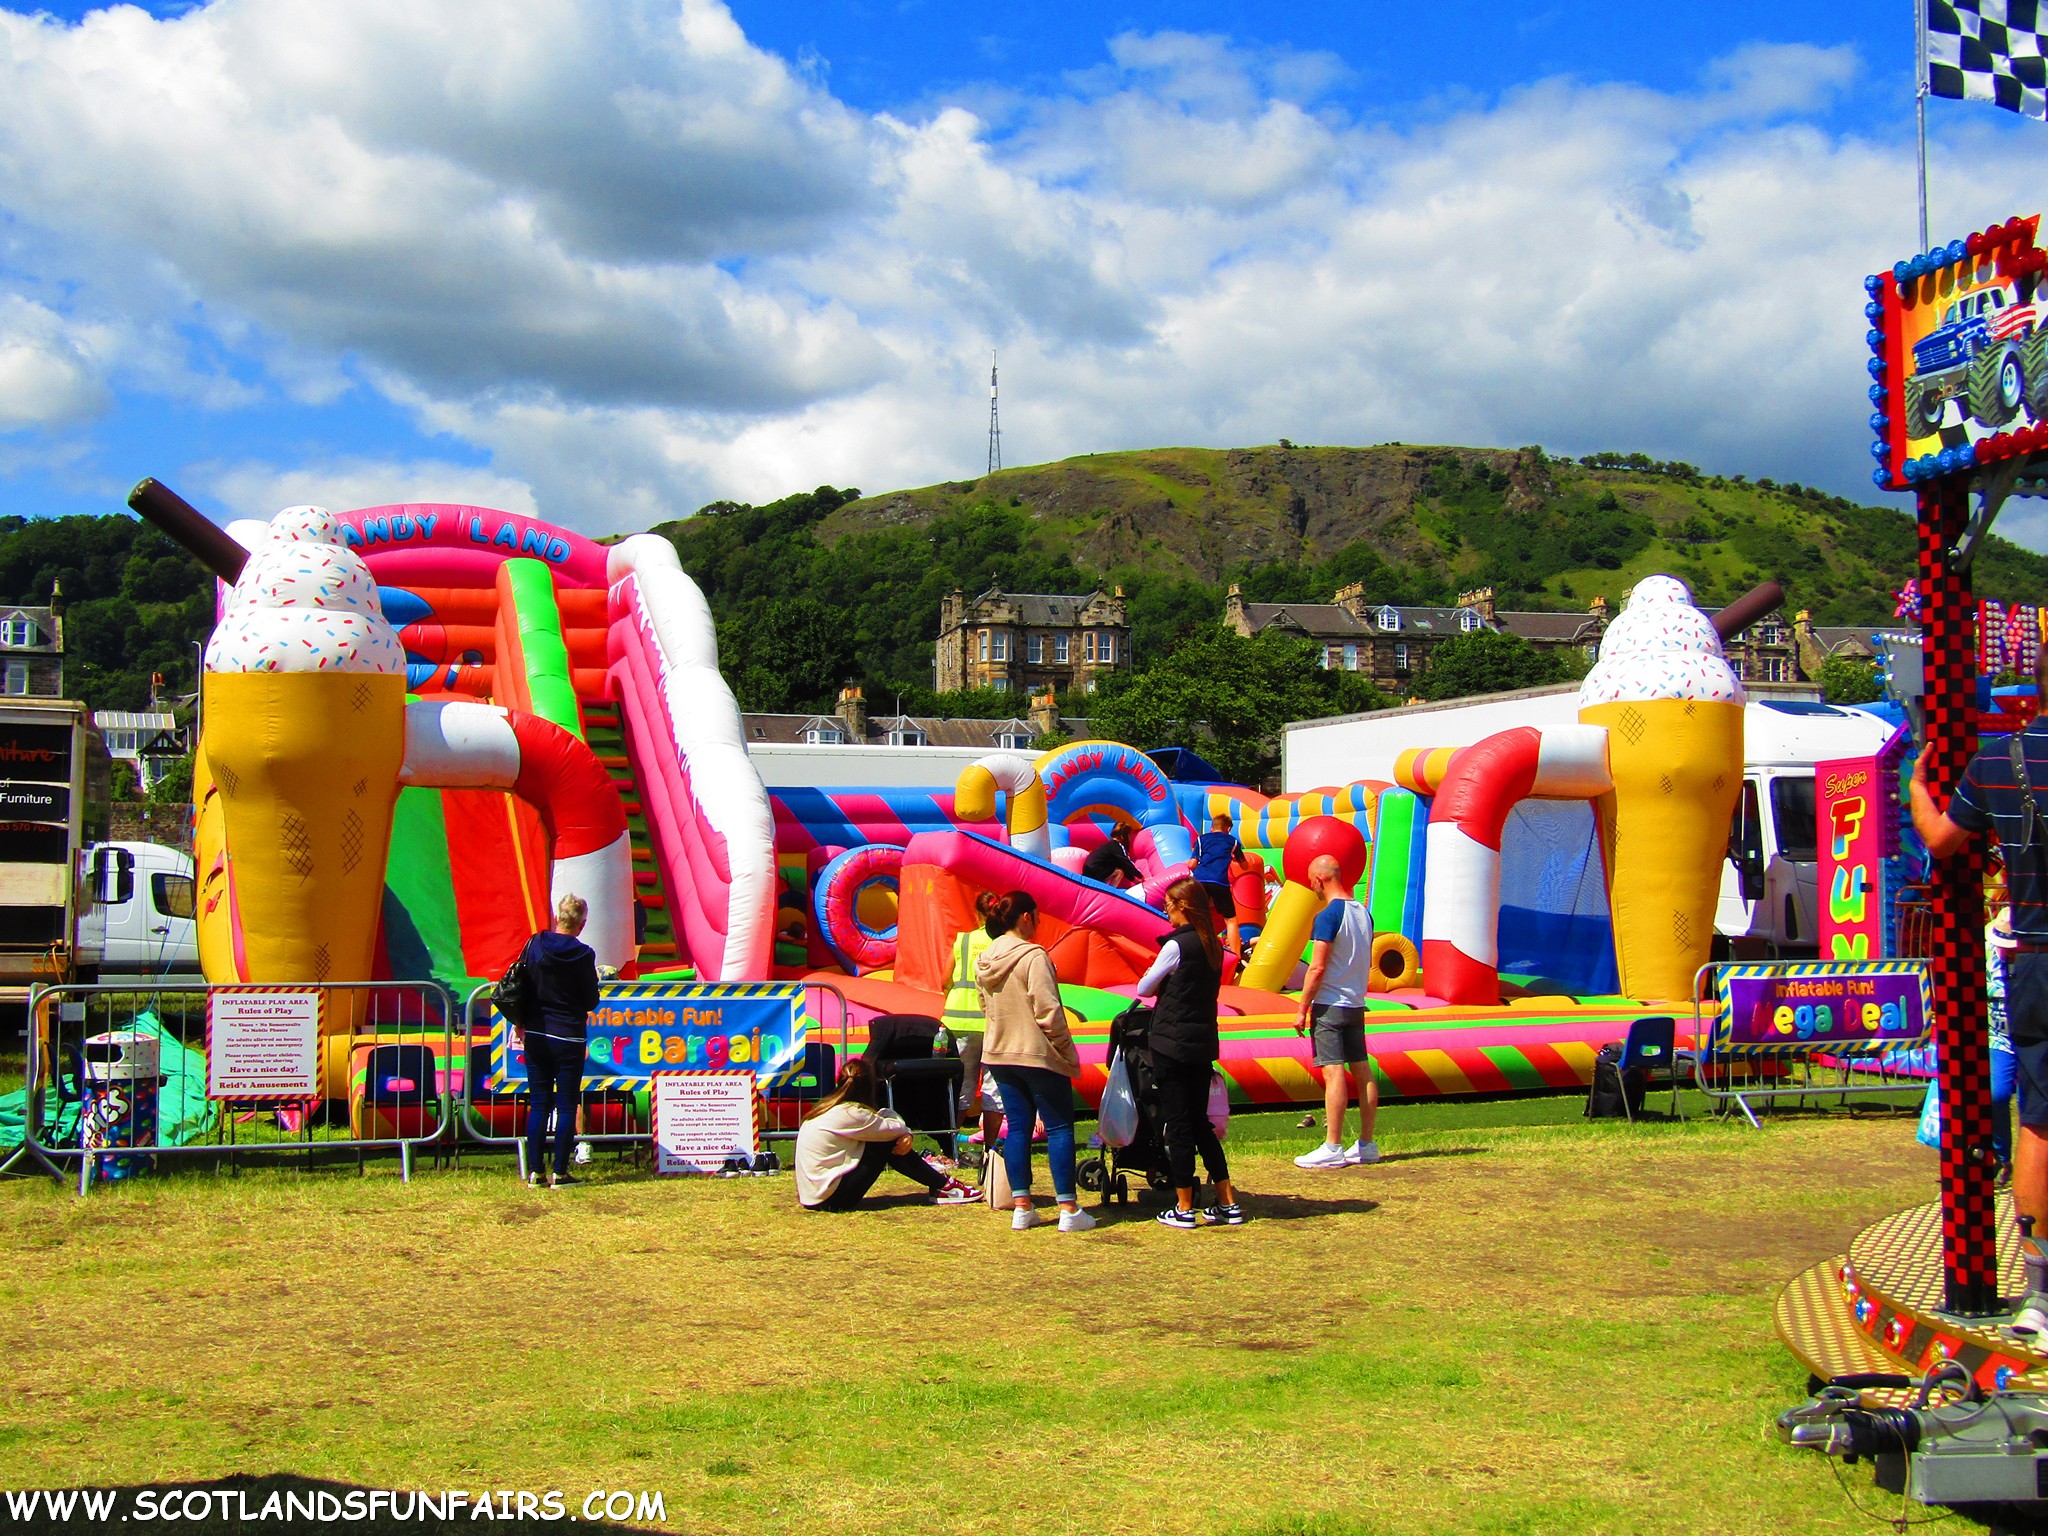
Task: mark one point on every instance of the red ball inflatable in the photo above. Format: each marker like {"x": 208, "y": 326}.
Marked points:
{"x": 1320, "y": 835}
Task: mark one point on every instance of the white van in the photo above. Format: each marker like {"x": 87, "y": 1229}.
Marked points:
{"x": 150, "y": 932}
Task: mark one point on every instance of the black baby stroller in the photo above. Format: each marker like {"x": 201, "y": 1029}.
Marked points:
{"x": 921, "y": 1077}
{"x": 1108, "y": 1169}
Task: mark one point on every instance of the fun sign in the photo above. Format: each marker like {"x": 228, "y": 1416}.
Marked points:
{"x": 1850, "y": 800}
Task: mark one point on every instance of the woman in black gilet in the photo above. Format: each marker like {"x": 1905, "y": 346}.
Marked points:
{"x": 1183, "y": 981}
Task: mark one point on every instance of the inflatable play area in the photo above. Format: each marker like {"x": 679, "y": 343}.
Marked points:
{"x": 423, "y": 723}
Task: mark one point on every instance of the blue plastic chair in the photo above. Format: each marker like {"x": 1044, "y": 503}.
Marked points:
{"x": 1650, "y": 1046}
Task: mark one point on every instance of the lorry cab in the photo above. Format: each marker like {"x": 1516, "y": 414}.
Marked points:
{"x": 147, "y": 898}
{"x": 1770, "y": 884}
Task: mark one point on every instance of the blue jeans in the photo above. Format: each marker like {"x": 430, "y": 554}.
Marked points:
{"x": 2005, "y": 1072}
{"x": 1039, "y": 1092}
{"x": 554, "y": 1086}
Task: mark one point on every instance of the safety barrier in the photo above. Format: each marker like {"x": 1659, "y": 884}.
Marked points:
{"x": 120, "y": 1077}
{"x": 1863, "y": 1021}
{"x": 612, "y": 1105}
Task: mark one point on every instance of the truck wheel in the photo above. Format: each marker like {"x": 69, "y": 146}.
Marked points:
{"x": 2034, "y": 359}
{"x": 1997, "y": 385}
{"x": 1923, "y": 415}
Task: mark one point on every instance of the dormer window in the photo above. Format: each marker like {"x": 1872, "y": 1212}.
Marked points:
{"x": 1468, "y": 620}
{"x": 1388, "y": 619}
{"x": 824, "y": 736}
{"x": 1012, "y": 741}
{"x": 905, "y": 733}
{"x": 16, "y": 631}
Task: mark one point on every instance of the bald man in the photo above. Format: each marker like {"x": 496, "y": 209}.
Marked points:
{"x": 1333, "y": 1009}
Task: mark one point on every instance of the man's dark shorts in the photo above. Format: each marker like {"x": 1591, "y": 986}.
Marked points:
{"x": 1220, "y": 900}
{"x": 2026, "y": 1011}
{"x": 1337, "y": 1034}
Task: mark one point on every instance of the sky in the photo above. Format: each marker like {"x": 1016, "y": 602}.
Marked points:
{"x": 606, "y": 261}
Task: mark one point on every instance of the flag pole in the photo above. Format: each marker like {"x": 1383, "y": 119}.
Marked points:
{"x": 1920, "y": 105}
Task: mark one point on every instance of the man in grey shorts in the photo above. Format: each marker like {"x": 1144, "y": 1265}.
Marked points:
{"x": 1333, "y": 1015}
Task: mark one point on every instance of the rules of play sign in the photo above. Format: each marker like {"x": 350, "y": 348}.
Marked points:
{"x": 263, "y": 1043}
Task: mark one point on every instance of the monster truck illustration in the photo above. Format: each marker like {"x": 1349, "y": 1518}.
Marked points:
{"x": 1989, "y": 354}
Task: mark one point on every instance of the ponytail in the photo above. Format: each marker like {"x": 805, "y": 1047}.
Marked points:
{"x": 1000, "y": 913}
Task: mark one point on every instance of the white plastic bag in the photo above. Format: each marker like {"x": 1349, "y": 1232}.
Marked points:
{"x": 1219, "y": 1104}
{"x": 1117, "y": 1120}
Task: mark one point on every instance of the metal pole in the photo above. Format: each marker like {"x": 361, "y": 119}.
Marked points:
{"x": 1948, "y": 618}
{"x": 1920, "y": 107}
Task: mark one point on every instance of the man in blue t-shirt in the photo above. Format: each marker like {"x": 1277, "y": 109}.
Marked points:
{"x": 1333, "y": 1015}
{"x": 1217, "y": 855}
{"x": 1989, "y": 798}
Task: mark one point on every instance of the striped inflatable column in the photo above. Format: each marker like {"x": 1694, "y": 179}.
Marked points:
{"x": 1482, "y": 783}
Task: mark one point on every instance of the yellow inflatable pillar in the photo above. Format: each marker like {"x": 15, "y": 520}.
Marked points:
{"x": 1281, "y": 941}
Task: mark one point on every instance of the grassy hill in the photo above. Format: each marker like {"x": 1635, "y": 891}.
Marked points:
{"x": 1422, "y": 523}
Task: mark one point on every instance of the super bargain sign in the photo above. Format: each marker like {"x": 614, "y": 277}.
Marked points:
{"x": 1840, "y": 1005}
{"x": 637, "y": 1031}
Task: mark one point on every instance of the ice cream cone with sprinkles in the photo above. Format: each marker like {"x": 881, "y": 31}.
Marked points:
{"x": 304, "y": 699}
{"x": 1672, "y": 707}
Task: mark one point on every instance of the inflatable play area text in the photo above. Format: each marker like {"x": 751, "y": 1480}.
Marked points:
{"x": 703, "y": 1027}
{"x": 1821, "y": 1003}
{"x": 263, "y": 1042}
{"x": 702, "y": 1119}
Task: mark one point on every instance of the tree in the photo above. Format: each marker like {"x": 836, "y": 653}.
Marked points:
{"x": 785, "y": 654}
{"x": 175, "y": 787}
{"x": 1846, "y": 680}
{"x": 1489, "y": 661}
{"x": 1227, "y": 697}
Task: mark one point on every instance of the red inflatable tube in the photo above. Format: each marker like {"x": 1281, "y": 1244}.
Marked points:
{"x": 561, "y": 778}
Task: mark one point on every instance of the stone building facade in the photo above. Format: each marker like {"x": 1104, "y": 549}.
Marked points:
{"x": 1391, "y": 643}
{"x": 1027, "y": 642}
{"x": 31, "y": 653}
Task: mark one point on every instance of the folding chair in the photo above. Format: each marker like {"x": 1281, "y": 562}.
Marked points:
{"x": 1650, "y": 1046}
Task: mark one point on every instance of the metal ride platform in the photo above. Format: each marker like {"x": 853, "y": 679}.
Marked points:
{"x": 1877, "y": 1308}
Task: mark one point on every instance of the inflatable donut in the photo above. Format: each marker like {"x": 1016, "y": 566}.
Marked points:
{"x": 854, "y": 903}
{"x": 1394, "y": 963}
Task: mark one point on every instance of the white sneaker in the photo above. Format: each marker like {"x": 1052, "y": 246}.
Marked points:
{"x": 1362, "y": 1152}
{"x": 1024, "y": 1218}
{"x": 1328, "y": 1155}
{"x": 1076, "y": 1220}
{"x": 581, "y": 1156}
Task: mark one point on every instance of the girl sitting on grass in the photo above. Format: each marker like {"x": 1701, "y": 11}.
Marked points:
{"x": 847, "y": 1140}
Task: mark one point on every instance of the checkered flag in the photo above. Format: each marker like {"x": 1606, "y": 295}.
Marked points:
{"x": 1989, "y": 50}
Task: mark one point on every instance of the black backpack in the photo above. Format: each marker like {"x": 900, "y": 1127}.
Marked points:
{"x": 517, "y": 994}
{"x": 1614, "y": 1095}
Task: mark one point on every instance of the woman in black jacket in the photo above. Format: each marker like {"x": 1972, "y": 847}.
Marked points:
{"x": 565, "y": 991}
{"x": 1184, "y": 980}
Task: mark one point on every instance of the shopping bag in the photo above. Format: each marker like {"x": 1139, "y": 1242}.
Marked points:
{"x": 1117, "y": 1120}
{"x": 995, "y": 1177}
{"x": 1929, "y": 1134}
{"x": 1219, "y": 1104}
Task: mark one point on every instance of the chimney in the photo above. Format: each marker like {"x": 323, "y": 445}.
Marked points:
{"x": 1352, "y": 599}
{"x": 852, "y": 711}
{"x": 1480, "y": 601}
{"x": 1598, "y": 609}
{"x": 1045, "y": 713}
{"x": 1233, "y": 611}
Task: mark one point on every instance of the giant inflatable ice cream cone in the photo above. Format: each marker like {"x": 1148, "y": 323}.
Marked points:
{"x": 304, "y": 709}
{"x": 1672, "y": 707}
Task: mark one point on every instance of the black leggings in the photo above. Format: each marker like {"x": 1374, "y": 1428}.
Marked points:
{"x": 874, "y": 1157}
{"x": 1184, "y": 1106}
{"x": 554, "y": 1083}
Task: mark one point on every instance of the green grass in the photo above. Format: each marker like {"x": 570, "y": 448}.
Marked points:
{"x": 1519, "y": 1322}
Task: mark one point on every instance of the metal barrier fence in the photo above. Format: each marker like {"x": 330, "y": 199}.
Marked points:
{"x": 493, "y": 1112}
{"x": 119, "y": 1077}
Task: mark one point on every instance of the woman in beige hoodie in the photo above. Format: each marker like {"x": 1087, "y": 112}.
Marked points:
{"x": 1030, "y": 1053}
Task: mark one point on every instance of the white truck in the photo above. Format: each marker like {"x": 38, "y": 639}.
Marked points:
{"x": 150, "y": 932}
{"x": 1771, "y": 881}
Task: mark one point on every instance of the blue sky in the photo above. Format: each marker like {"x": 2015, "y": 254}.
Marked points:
{"x": 609, "y": 261}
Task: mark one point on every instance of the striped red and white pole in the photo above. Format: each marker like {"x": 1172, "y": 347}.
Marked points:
{"x": 1461, "y": 875}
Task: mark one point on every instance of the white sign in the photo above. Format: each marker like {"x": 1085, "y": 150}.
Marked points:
{"x": 701, "y": 1119}
{"x": 263, "y": 1043}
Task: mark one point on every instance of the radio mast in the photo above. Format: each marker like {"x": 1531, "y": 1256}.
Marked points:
{"x": 995, "y": 430}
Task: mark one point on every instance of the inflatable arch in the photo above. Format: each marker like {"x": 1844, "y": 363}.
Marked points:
{"x": 1110, "y": 779}
{"x": 844, "y": 899}
{"x": 1475, "y": 788}
{"x": 974, "y": 799}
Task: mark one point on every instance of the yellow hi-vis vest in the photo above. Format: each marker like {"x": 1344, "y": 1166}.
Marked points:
{"x": 963, "y": 997}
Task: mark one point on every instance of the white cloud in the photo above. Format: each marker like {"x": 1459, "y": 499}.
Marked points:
{"x": 256, "y": 490}
{"x": 641, "y": 263}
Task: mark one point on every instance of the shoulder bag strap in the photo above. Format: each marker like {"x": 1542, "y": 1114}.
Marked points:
{"x": 2030, "y": 811}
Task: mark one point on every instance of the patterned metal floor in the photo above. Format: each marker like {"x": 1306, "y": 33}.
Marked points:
{"x": 1900, "y": 1256}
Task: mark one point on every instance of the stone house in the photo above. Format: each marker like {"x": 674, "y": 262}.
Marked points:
{"x": 1026, "y": 642}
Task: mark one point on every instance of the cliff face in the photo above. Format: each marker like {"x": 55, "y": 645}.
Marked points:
{"x": 1205, "y": 512}
{"x": 1546, "y": 533}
